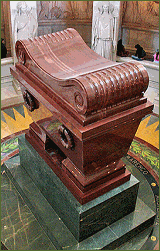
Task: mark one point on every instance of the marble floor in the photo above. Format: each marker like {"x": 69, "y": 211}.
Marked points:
{"x": 22, "y": 230}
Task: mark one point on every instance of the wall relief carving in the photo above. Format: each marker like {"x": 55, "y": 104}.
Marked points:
{"x": 56, "y": 16}
{"x": 72, "y": 10}
{"x": 143, "y": 13}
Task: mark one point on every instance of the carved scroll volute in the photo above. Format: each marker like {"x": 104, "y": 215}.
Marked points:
{"x": 20, "y": 53}
{"x": 80, "y": 102}
{"x": 87, "y": 102}
{"x": 79, "y": 94}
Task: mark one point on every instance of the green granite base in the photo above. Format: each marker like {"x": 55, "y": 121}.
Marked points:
{"x": 108, "y": 238}
{"x": 61, "y": 238}
{"x": 82, "y": 220}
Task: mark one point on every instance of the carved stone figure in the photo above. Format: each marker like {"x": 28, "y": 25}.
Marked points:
{"x": 25, "y": 24}
{"x": 105, "y": 30}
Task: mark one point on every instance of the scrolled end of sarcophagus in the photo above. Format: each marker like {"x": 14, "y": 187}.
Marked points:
{"x": 114, "y": 86}
{"x": 80, "y": 81}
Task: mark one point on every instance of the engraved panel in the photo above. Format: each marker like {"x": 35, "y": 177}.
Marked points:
{"x": 56, "y": 16}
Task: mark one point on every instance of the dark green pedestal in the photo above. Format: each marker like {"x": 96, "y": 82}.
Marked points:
{"x": 81, "y": 220}
{"x": 36, "y": 182}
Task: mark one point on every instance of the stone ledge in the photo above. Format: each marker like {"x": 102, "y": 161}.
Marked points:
{"x": 7, "y": 61}
{"x": 12, "y": 101}
{"x": 145, "y": 63}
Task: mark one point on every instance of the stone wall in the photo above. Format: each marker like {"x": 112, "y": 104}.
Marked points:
{"x": 140, "y": 25}
{"x": 55, "y": 16}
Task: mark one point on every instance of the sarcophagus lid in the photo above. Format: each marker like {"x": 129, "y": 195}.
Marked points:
{"x": 65, "y": 70}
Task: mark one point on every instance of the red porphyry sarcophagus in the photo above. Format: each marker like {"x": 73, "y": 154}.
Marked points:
{"x": 86, "y": 105}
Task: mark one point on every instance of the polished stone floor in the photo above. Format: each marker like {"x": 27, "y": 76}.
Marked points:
{"x": 21, "y": 229}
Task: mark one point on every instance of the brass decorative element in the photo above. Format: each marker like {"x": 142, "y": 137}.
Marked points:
{"x": 153, "y": 238}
